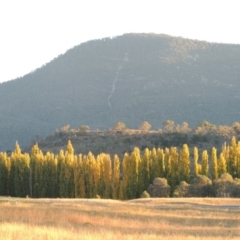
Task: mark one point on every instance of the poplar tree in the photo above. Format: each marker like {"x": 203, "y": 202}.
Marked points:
{"x": 4, "y": 174}
{"x": 51, "y": 175}
{"x": 78, "y": 177}
{"x": 60, "y": 173}
{"x": 130, "y": 174}
{"x": 21, "y": 172}
{"x": 232, "y": 161}
{"x": 66, "y": 173}
{"x": 222, "y": 166}
{"x": 89, "y": 175}
{"x": 205, "y": 163}
{"x": 238, "y": 160}
{"x": 225, "y": 152}
{"x": 195, "y": 157}
{"x": 174, "y": 179}
{"x": 214, "y": 164}
{"x": 168, "y": 159}
{"x": 116, "y": 177}
{"x": 144, "y": 171}
{"x": 160, "y": 162}
{"x": 153, "y": 165}
{"x": 96, "y": 176}
{"x": 184, "y": 164}
{"x": 107, "y": 176}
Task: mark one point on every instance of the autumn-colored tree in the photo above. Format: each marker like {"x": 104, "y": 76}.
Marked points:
{"x": 77, "y": 172}
{"x": 214, "y": 164}
{"x": 205, "y": 163}
{"x": 225, "y": 152}
{"x": 107, "y": 176}
{"x": 232, "y": 161}
{"x": 168, "y": 159}
{"x": 21, "y": 172}
{"x": 66, "y": 180}
{"x": 130, "y": 174}
{"x": 184, "y": 164}
{"x": 96, "y": 171}
{"x": 50, "y": 175}
{"x": 36, "y": 162}
{"x": 160, "y": 163}
{"x": 144, "y": 171}
{"x": 195, "y": 158}
{"x": 153, "y": 164}
{"x": 174, "y": 176}
{"x": 116, "y": 177}
{"x": 222, "y": 166}
{"x": 4, "y": 174}
{"x": 238, "y": 160}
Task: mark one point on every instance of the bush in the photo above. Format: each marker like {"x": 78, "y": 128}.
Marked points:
{"x": 98, "y": 196}
{"x": 145, "y": 194}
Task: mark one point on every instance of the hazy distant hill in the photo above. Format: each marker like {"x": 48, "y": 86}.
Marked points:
{"x": 130, "y": 78}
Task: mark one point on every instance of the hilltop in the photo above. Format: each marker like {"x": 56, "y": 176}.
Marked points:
{"x": 129, "y": 78}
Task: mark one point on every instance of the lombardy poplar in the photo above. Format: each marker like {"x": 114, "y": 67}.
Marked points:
{"x": 205, "y": 163}
{"x": 4, "y": 174}
{"x": 116, "y": 177}
{"x": 195, "y": 157}
{"x": 184, "y": 161}
{"x": 214, "y": 164}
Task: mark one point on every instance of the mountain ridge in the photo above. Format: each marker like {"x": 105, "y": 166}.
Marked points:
{"x": 129, "y": 78}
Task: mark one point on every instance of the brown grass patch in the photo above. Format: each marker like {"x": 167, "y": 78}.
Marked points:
{"x": 108, "y": 219}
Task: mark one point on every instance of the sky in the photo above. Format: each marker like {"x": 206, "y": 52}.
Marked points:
{"x": 33, "y": 32}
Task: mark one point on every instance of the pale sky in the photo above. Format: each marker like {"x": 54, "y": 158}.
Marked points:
{"x": 33, "y": 32}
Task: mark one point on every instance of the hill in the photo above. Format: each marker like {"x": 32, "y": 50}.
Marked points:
{"x": 130, "y": 78}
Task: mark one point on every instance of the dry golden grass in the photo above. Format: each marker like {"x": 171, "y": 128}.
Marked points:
{"x": 188, "y": 219}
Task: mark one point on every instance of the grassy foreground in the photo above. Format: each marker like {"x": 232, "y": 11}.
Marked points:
{"x": 87, "y": 219}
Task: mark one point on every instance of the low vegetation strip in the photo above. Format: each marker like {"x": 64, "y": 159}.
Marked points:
{"x": 182, "y": 218}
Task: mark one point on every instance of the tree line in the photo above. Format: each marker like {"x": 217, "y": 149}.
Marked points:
{"x": 67, "y": 175}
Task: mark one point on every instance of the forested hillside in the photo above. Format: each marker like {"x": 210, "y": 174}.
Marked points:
{"x": 130, "y": 78}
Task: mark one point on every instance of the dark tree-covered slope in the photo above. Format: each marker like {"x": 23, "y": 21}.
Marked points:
{"x": 130, "y": 78}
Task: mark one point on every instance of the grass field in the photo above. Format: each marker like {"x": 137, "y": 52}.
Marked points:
{"x": 87, "y": 219}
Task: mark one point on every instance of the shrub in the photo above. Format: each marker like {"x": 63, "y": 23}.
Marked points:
{"x": 145, "y": 194}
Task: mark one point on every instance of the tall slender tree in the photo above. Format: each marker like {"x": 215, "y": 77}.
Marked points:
{"x": 205, "y": 163}
{"x": 184, "y": 164}
{"x": 214, "y": 164}
{"x": 195, "y": 157}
